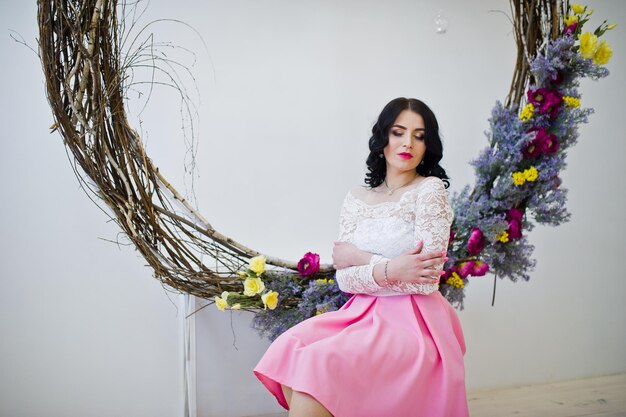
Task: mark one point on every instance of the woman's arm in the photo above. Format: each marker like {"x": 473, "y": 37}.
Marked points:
{"x": 346, "y": 254}
{"x": 433, "y": 217}
{"x": 356, "y": 275}
{"x": 359, "y": 271}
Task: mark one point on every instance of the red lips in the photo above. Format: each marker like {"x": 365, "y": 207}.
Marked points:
{"x": 405, "y": 155}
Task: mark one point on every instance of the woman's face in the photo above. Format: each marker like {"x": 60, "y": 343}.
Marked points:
{"x": 407, "y": 145}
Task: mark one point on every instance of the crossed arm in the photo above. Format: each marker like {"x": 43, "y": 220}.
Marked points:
{"x": 359, "y": 271}
{"x": 411, "y": 266}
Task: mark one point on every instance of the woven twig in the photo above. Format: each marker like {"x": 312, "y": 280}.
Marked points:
{"x": 80, "y": 51}
{"x": 80, "y": 55}
{"x": 534, "y": 23}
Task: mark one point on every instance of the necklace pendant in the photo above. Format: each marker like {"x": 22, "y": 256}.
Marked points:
{"x": 390, "y": 192}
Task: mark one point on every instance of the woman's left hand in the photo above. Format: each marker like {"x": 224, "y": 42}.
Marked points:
{"x": 345, "y": 254}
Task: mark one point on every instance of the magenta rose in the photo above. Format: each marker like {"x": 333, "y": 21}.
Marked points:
{"x": 533, "y": 148}
{"x": 514, "y": 230}
{"x": 466, "y": 269}
{"x": 476, "y": 241}
{"x": 549, "y": 143}
{"x": 570, "y": 29}
{"x": 515, "y": 213}
{"x": 543, "y": 143}
{"x": 472, "y": 268}
{"x": 546, "y": 101}
{"x": 552, "y": 104}
{"x": 480, "y": 269}
{"x": 514, "y": 217}
{"x": 309, "y": 264}
{"x": 536, "y": 97}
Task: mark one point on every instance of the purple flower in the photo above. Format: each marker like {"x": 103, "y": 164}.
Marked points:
{"x": 476, "y": 241}
{"x": 309, "y": 264}
{"x": 555, "y": 182}
{"x": 557, "y": 77}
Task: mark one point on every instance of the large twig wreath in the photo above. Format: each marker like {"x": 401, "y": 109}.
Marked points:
{"x": 85, "y": 75}
{"x": 86, "y": 72}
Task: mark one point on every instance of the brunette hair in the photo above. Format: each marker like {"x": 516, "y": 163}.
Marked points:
{"x": 377, "y": 166}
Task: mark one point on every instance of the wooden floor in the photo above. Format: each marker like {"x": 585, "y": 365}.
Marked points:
{"x": 592, "y": 397}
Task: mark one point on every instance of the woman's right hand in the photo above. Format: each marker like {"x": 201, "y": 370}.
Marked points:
{"x": 415, "y": 267}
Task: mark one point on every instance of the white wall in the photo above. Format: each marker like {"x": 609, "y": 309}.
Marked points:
{"x": 84, "y": 328}
{"x": 297, "y": 87}
{"x": 289, "y": 91}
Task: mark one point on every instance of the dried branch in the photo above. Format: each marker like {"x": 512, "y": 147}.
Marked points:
{"x": 86, "y": 77}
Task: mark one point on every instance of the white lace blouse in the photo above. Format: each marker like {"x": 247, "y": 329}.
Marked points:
{"x": 390, "y": 228}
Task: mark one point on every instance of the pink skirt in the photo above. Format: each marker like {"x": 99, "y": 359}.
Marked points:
{"x": 398, "y": 356}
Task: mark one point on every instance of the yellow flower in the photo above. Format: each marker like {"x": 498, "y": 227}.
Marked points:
{"x": 270, "y": 299}
{"x": 571, "y": 19}
{"x": 331, "y": 281}
{"x": 588, "y": 44}
{"x": 455, "y": 280}
{"x": 531, "y": 174}
{"x": 257, "y": 264}
{"x": 322, "y": 280}
{"x": 518, "y": 178}
{"x": 503, "y": 237}
{"x": 321, "y": 311}
{"x": 220, "y": 303}
{"x": 589, "y": 12}
{"x": 571, "y": 101}
{"x": 242, "y": 274}
{"x": 611, "y": 26}
{"x": 527, "y": 112}
{"x": 236, "y": 306}
{"x": 578, "y": 8}
{"x": 253, "y": 286}
{"x": 603, "y": 54}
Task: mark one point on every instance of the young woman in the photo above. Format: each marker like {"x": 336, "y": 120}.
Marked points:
{"x": 396, "y": 347}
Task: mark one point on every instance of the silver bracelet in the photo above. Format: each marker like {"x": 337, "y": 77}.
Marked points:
{"x": 386, "y": 280}
{"x": 375, "y": 260}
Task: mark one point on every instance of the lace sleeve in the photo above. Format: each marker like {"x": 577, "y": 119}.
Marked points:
{"x": 354, "y": 279}
{"x": 433, "y": 218}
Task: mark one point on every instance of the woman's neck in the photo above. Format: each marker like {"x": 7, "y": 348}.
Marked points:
{"x": 395, "y": 179}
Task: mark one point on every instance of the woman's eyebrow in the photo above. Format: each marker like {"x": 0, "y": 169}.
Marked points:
{"x": 402, "y": 127}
